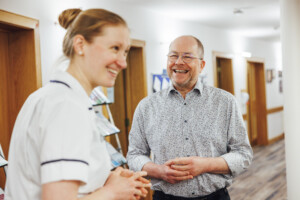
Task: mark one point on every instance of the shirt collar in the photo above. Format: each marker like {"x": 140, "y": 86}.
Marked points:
{"x": 74, "y": 84}
{"x": 198, "y": 87}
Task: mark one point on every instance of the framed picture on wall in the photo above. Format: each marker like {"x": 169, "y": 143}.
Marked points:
{"x": 280, "y": 73}
{"x": 269, "y": 75}
{"x": 280, "y": 86}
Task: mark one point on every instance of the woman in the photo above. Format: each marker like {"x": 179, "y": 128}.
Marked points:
{"x": 56, "y": 152}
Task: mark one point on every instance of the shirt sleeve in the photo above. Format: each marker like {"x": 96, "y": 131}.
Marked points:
{"x": 138, "y": 150}
{"x": 65, "y": 136}
{"x": 240, "y": 153}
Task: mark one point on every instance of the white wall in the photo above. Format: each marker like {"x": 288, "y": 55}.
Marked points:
{"x": 158, "y": 31}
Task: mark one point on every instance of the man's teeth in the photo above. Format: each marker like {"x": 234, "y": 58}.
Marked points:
{"x": 113, "y": 71}
{"x": 180, "y": 71}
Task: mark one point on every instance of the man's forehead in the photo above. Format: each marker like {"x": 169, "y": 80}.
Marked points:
{"x": 183, "y": 47}
{"x": 183, "y": 53}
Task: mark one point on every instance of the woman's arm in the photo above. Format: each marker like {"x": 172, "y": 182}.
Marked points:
{"x": 119, "y": 186}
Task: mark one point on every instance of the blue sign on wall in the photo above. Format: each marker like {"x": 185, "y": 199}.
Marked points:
{"x": 160, "y": 81}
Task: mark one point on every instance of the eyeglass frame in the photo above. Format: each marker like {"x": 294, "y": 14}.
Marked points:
{"x": 192, "y": 57}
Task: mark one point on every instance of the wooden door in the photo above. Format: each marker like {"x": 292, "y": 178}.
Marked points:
{"x": 20, "y": 71}
{"x": 225, "y": 74}
{"x": 130, "y": 88}
{"x": 257, "y": 114}
{"x": 253, "y": 136}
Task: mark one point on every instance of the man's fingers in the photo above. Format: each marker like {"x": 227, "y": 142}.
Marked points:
{"x": 180, "y": 161}
{"x": 169, "y": 162}
{"x": 177, "y": 173}
{"x": 181, "y": 167}
{"x": 182, "y": 178}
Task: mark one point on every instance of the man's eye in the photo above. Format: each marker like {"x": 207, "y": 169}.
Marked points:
{"x": 187, "y": 57}
{"x": 173, "y": 56}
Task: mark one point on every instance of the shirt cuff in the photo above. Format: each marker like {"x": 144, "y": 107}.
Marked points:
{"x": 236, "y": 163}
{"x": 139, "y": 162}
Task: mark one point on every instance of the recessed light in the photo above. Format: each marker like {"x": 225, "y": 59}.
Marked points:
{"x": 238, "y": 11}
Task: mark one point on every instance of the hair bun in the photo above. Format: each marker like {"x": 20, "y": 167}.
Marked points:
{"x": 67, "y": 17}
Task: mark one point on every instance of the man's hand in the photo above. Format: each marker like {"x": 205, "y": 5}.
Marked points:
{"x": 194, "y": 165}
{"x": 172, "y": 175}
{"x": 166, "y": 173}
{"x": 199, "y": 165}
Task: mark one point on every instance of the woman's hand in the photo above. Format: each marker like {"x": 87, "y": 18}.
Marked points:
{"x": 129, "y": 173}
{"x": 127, "y": 185}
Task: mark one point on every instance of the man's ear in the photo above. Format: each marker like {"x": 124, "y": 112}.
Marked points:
{"x": 78, "y": 42}
{"x": 202, "y": 65}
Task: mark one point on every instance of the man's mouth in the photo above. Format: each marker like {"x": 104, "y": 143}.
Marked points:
{"x": 180, "y": 71}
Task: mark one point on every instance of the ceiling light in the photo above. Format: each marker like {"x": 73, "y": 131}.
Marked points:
{"x": 238, "y": 11}
{"x": 276, "y": 27}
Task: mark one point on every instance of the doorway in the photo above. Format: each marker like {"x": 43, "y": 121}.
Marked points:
{"x": 130, "y": 88}
{"x": 256, "y": 111}
{"x": 224, "y": 74}
{"x": 20, "y": 71}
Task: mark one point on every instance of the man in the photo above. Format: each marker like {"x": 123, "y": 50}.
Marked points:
{"x": 195, "y": 133}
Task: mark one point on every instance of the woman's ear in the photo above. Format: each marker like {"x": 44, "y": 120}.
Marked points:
{"x": 78, "y": 42}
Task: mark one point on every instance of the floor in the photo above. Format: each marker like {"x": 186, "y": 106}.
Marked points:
{"x": 265, "y": 179}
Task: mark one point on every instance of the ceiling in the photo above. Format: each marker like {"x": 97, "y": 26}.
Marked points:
{"x": 255, "y": 18}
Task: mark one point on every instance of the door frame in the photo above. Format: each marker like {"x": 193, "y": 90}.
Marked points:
{"x": 262, "y": 137}
{"x": 130, "y": 88}
{"x": 20, "y": 70}
{"x": 215, "y": 55}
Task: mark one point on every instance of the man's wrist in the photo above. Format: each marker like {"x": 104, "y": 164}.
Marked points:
{"x": 153, "y": 170}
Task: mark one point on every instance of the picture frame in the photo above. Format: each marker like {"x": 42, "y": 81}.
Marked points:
{"x": 279, "y": 73}
{"x": 280, "y": 86}
{"x": 269, "y": 75}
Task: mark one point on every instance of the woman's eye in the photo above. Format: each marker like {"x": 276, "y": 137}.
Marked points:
{"x": 116, "y": 48}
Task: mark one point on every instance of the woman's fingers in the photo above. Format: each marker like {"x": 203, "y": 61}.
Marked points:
{"x": 143, "y": 180}
{"x": 139, "y": 174}
{"x": 144, "y": 191}
{"x": 126, "y": 173}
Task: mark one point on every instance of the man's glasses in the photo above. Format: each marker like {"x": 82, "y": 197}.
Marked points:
{"x": 186, "y": 57}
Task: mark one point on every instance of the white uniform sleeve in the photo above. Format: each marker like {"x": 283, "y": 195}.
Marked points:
{"x": 66, "y": 135}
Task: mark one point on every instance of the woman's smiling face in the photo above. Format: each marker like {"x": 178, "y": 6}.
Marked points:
{"x": 106, "y": 56}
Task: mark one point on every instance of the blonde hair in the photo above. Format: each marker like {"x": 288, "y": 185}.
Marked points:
{"x": 88, "y": 23}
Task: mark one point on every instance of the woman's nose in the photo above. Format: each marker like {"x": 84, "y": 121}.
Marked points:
{"x": 122, "y": 61}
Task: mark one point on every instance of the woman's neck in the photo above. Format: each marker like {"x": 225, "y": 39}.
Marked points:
{"x": 75, "y": 70}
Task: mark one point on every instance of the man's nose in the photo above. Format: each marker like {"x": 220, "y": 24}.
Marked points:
{"x": 179, "y": 60}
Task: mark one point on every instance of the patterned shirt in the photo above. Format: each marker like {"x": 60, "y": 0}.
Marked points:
{"x": 207, "y": 123}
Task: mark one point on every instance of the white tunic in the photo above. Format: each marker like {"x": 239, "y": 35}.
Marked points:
{"x": 55, "y": 138}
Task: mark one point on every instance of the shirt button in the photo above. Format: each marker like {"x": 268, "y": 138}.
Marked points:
{"x": 184, "y": 104}
{"x": 193, "y": 193}
{"x": 185, "y": 121}
{"x": 188, "y": 155}
{"x": 186, "y": 138}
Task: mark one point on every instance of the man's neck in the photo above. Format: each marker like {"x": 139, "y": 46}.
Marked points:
{"x": 184, "y": 90}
